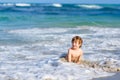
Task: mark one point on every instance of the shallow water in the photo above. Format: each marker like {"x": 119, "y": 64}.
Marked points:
{"x": 37, "y": 57}
{"x": 30, "y": 47}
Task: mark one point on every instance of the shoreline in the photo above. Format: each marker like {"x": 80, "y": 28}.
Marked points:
{"x": 88, "y": 64}
{"x": 105, "y": 67}
{"x": 114, "y": 77}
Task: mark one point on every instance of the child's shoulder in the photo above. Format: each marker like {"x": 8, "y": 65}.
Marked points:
{"x": 80, "y": 50}
{"x": 69, "y": 49}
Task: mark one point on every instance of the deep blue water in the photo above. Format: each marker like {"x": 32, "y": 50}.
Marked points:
{"x": 28, "y": 16}
{"x": 34, "y": 36}
{"x": 59, "y": 15}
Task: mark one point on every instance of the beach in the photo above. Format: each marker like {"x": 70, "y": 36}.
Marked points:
{"x": 33, "y": 37}
{"x": 114, "y": 77}
{"x": 88, "y": 64}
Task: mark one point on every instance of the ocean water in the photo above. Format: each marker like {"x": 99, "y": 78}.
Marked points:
{"x": 34, "y": 36}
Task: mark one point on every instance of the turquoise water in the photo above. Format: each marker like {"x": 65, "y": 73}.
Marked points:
{"x": 67, "y": 15}
{"x": 34, "y": 36}
{"x": 18, "y": 19}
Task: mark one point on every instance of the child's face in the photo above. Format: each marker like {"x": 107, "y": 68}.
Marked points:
{"x": 75, "y": 44}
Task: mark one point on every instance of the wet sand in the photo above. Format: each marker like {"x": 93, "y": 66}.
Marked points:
{"x": 114, "y": 77}
{"x": 88, "y": 64}
{"x": 105, "y": 67}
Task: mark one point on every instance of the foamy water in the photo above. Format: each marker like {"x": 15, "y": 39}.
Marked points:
{"x": 36, "y": 57}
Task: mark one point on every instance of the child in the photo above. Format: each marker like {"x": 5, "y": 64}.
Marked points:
{"x": 75, "y": 53}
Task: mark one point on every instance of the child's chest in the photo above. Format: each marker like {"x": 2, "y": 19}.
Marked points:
{"x": 75, "y": 54}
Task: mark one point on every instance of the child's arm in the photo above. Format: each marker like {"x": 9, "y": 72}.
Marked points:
{"x": 80, "y": 58}
{"x": 69, "y": 56}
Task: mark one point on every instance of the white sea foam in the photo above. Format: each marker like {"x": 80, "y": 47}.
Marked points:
{"x": 97, "y": 36}
{"x": 39, "y": 59}
{"x": 46, "y": 69}
{"x": 22, "y": 4}
{"x": 57, "y": 5}
{"x": 37, "y": 31}
{"x": 8, "y": 4}
{"x": 90, "y": 6}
